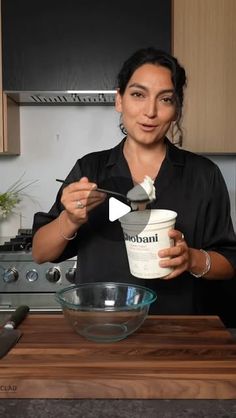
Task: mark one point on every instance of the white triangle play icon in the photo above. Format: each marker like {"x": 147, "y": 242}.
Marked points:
{"x": 117, "y": 209}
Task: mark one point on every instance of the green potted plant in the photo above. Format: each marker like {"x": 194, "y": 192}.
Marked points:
{"x": 12, "y": 197}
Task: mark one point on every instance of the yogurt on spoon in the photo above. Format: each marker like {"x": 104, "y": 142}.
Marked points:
{"x": 142, "y": 192}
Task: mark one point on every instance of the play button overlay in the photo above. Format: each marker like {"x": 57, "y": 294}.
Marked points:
{"x": 117, "y": 209}
{"x": 104, "y": 220}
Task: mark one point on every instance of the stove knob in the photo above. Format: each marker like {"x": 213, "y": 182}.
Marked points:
{"x": 53, "y": 274}
{"x": 70, "y": 275}
{"x": 32, "y": 275}
{"x": 10, "y": 275}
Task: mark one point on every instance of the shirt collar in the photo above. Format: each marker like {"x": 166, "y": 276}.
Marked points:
{"x": 116, "y": 153}
{"x": 173, "y": 154}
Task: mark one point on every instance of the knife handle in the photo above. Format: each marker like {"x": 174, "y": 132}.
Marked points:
{"x": 17, "y": 317}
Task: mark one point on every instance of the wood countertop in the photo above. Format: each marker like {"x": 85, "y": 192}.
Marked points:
{"x": 169, "y": 357}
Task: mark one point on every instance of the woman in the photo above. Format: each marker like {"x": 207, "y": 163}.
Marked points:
{"x": 150, "y": 99}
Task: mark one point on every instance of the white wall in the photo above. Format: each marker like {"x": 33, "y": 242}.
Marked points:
{"x": 53, "y": 138}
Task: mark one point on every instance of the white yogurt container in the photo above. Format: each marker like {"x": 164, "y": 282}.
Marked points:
{"x": 145, "y": 233}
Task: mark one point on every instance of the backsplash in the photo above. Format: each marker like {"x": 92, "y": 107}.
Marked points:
{"x": 53, "y": 138}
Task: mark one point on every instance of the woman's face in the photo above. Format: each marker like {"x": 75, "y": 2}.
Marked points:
{"x": 147, "y": 105}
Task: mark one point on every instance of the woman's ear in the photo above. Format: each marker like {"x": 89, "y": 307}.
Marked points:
{"x": 118, "y": 101}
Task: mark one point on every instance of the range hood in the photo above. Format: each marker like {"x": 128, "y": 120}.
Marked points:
{"x": 68, "y": 97}
{"x": 69, "y": 53}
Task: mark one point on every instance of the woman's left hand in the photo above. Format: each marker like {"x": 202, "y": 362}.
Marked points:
{"x": 179, "y": 255}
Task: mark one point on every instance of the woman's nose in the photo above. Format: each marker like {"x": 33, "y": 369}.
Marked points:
{"x": 151, "y": 108}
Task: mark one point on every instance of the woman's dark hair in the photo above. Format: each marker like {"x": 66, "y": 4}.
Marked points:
{"x": 157, "y": 57}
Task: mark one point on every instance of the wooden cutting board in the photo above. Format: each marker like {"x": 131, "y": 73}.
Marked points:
{"x": 169, "y": 357}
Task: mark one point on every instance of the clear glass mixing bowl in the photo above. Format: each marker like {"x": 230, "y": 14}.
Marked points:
{"x": 105, "y": 311}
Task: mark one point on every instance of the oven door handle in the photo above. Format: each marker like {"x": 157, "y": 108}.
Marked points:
{"x": 9, "y": 308}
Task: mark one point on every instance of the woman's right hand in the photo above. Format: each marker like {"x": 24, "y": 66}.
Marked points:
{"x": 79, "y": 198}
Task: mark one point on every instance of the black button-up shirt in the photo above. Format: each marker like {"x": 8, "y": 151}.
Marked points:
{"x": 187, "y": 183}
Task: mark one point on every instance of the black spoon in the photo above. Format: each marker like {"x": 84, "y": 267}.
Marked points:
{"x": 110, "y": 192}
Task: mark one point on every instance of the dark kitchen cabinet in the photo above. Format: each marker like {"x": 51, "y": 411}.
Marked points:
{"x": 78, "y": 44}
{"x": 1, "y": 103}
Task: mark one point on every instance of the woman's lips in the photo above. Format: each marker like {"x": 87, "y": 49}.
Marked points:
{"x": 148, "y": 127}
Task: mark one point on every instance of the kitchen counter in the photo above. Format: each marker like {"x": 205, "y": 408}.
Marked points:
{"x": 169, "y": 357}
{"x": 119, "y": 408}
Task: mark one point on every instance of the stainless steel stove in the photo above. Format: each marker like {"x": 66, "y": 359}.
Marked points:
{"x": 22, "y": 281}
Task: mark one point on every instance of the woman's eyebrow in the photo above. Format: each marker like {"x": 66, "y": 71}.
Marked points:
{"x": 137, "y": 85}
{"x": 140, "y": 86}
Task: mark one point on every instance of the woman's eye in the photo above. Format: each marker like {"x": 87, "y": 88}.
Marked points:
{"x": 167, "y": 100}
{"x": 136, "y": 94}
